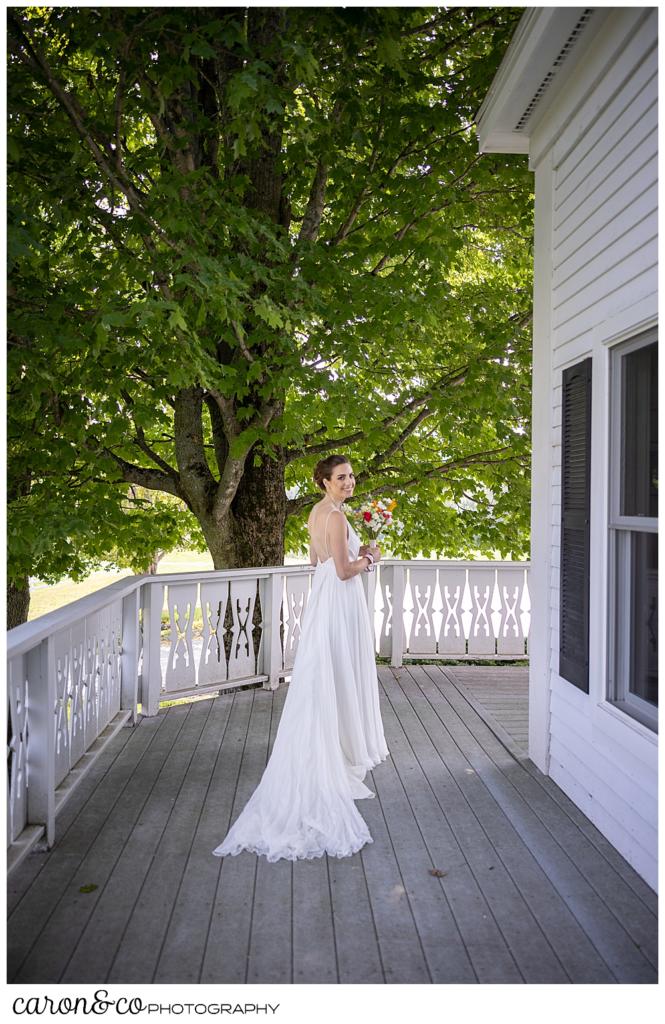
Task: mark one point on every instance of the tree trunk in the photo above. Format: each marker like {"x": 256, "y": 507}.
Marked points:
{"x": 151, "y": 569}
{"x": 259, "y": 511}
{"x": 18, "y": 602}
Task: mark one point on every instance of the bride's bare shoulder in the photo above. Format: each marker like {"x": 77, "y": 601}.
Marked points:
{"x": 315, "y": 516}
{"x": 313, "y": 511}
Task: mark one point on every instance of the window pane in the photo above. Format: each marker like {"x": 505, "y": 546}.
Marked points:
{"x": 643, "y": 605}
{"x": 639, "y": 431}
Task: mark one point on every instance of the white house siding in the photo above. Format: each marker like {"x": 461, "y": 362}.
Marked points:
{"x": 595, "y": 151}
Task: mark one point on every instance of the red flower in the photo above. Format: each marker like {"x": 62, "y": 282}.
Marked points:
{"x": 367, "y": 516}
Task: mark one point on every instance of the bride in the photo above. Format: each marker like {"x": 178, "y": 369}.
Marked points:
{"x": 330, "y": 733}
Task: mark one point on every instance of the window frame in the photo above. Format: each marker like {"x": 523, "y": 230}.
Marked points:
{"x": 619, "y": 529}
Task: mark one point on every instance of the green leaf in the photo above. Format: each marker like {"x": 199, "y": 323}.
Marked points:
{"x": 268, "y": 312}
{"x": 176, "y": 319}
{"x": 202, "y": 49}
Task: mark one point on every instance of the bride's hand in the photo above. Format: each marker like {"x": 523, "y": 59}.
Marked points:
{"x": 375, "y": 552}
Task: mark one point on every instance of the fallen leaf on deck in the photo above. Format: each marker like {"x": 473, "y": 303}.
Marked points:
{"x": 437, "y": 873}
{"x": 88, "y": 888}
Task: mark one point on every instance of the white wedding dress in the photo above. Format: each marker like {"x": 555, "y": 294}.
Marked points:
{"x": 330, "y": 733}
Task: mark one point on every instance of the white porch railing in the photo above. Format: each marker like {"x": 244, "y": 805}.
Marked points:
{"x": 78, "y": 674}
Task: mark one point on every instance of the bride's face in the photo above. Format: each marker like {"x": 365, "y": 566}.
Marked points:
{"x": 342, "y": 482}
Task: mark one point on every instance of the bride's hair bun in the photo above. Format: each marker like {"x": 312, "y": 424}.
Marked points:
{"x": 323, "y": 469}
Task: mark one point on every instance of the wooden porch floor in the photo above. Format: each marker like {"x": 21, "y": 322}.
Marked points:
{"x": 528, "y": 890}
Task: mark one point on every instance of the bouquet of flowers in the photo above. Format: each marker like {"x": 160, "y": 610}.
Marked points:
{"x": 373, "y": 517}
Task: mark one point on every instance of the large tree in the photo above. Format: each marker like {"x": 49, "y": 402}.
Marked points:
{"x": 243, "y": 238}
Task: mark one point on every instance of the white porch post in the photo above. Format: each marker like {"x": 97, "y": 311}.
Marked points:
{"x": 40, "y": 670}
{"x": 397, "y": 645}
{"x": 271, "y": 600}
{"x": 541, "y": 469}
{"x": 129, "y": 657}
{"x": 153, "y": 599}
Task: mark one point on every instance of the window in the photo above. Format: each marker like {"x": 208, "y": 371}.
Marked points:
{"x": 633, "y": 528}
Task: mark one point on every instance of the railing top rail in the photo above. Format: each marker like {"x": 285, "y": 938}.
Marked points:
{"x": 26, "y": 636}
{"x": 259, "y": 572}
{"x": 22, "y": 638}
{"x": 29, "y": 634}
{"x": 459, "y": 563}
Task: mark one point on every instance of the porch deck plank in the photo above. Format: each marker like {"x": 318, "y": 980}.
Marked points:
{"x": 593, "y": 890}
{"x": 492, "y": 845}
{"x": 129, "y": 877}
{"x": 184, "y": 946}
{"x": 396, "y": 930}
{"x": 500, "y": 696}
{"x": 270, "y": 955}
{"x": 314, "y": 951}
{"x": 531, "y": 891}
{"x": 483, "y": 689}
{"x": 637, "y": 919}
{"x": 226, "y": 956}
{"x": 19, "y": 882}
{"x": 107, "y": 925}
{"x": 47, "y": 922}
{"x": 184, "y": 939}
{"x": 504, "y": 939}
{"x": 358, "y": 952}
{"x": 442, "y": 849}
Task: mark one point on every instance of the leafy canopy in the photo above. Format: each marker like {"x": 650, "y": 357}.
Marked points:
{"x": 284, "y": 213}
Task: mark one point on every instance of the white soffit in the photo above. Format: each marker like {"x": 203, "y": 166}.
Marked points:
{"x": 547, "y": 43}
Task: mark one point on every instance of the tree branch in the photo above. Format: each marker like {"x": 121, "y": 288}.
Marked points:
{"x": 309, "y": 229}
{"x": 150, "y": 478}
{"x": 228, "y": 485}
{"x": 237, "y": 331}
{"x": 492, "y": 20}
{"x": 396, "y": 444}
{"x": 195, "y": 476}
{"x": 220, "y": 443}
{"x": 119, "y": 98}
{"x": 141, "y": 442}
{"x": 477, "y": 459}
{"x": 294, "y": 505}
{"x": 456, "y": 376}
{"x": 232, "y": 469}
{"x": 30, "y": 54}
{"x": 226, "y": 410}
{"x": 348, "y": 223}
{"x": 399, "y": 235}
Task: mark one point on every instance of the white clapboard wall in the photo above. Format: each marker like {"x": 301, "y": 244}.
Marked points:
{"x": 595, "y": 151}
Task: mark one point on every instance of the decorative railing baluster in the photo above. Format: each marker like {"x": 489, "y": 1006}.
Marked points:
{"x": 180, "y": 671}
{"x": 481, "y": 632}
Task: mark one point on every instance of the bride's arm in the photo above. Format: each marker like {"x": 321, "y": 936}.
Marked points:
{"x": 339, "y": 549}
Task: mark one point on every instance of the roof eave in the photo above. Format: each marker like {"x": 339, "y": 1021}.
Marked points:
{"x": 528, "y": 74}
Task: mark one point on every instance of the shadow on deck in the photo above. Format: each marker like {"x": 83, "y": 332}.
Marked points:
{"x": 528, "y": 890}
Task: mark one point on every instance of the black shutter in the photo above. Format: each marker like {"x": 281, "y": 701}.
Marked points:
{"x": 575, "y": 501}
